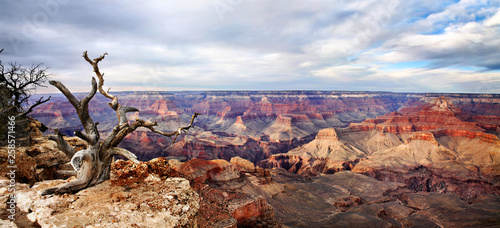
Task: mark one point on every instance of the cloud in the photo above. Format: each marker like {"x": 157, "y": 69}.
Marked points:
{"x": 467, "y": 42}
{"x": 253, "y": 45}
{"x": 411, "y": 79}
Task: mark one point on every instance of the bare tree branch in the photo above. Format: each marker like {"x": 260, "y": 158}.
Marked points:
{"x": 81, "y": 108}
{"x": 21, "y": 82}
{"x": 6, "y": 110}
{"x": 63, "y": 145}
{"x": 100, "y": 76}
{"x": 30, "y": 109}
{"x": 93, "y": 164}
{"x": 123, "y": 152}
{"x": 150, "y": 125}
{"x": 83, "y": 136}
{"x": 84, "y": 177}
{"x": 72, "y": 99}
{"x": 85, "y": 101}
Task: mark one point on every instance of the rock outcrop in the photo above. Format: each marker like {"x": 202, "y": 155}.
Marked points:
{"x": 225, "y": 190}
{"x": 155, "y": 202}
{"x": 40, "y": 159}
{"x": 325, "y": 154}
{"x": 427, "y": 145}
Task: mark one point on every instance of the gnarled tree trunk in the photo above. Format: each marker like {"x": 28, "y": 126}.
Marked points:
{"x": 93, "y": 164}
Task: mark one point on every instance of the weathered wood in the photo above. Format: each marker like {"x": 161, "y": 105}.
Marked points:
{"x": 63, "y": 145}
{"x": 93, "y": 164}
{"x": 123, "y": 152}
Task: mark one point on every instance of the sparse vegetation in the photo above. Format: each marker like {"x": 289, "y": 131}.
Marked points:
{"x": 17, "y": 84}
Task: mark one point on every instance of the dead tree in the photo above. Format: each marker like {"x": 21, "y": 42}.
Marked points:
{"x": 93, "y": 164}
{"x": 17, "y": 83}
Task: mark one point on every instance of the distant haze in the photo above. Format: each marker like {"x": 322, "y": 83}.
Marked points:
{"x": 379, "y": 45}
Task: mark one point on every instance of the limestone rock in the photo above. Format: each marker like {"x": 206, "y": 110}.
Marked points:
{"x": 39, "y": 160}
{"x": 25, "y": 165}
{"x": 161, "y": 203}
{"x": 7, "y": 224}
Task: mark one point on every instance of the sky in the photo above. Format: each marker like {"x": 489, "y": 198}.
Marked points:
{"x": 380, "y": 45}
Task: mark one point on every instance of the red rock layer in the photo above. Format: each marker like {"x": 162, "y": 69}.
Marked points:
{"x": 217, "y": 182}
{"x": 252, "y": 150}
{"x": 437, "y": 166}
{"x": 439, "y": 117}
{"x": 303, "y": 166}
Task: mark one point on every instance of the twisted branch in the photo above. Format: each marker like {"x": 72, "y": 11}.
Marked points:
{"x": 150, "y": 125}
{"x": 30, "y": 109}
{"x": 122, "y": 129}
{"x": 94, "y": 162}
{"x": 100, "y": 76}
{"x": 123, "y": 152}
{"x": 82, "y": 109}
{"x": 63, "y": 145}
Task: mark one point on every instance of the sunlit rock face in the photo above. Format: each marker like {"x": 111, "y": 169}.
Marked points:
{"x": 37, "y": 158}
{"x": 430, "y": 144}
{"x": 378, "y": 134}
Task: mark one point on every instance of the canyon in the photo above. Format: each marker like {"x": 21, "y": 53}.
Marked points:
{"x": 430, "y": 145}
{"x": 306, "y": 158}
{"x": 249, "y": 124}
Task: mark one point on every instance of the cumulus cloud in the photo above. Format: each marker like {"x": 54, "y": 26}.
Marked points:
{"x": 411, "y": 79}
{"x": 254, "y": 45}
{"x": 473, "y": 43}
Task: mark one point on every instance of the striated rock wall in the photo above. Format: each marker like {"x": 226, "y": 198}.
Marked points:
{"x": 429, "y": 145}
{"x": 266, "y": 117}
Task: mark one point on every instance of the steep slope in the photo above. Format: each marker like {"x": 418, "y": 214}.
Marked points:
{"x": 275, "y": 122}
{"x": 218, "y": 193}
{"x": 427, "y": 145}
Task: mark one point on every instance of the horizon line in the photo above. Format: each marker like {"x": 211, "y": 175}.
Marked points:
{"x": 278, "y": 90}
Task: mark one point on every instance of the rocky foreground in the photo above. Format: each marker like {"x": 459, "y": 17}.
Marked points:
{"x": 217, "y": 193}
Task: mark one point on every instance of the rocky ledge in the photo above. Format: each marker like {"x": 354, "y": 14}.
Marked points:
{"x": 153, "y": 202}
